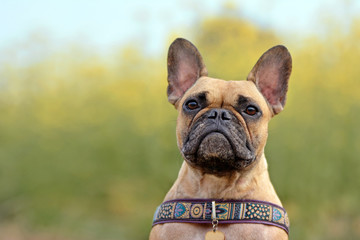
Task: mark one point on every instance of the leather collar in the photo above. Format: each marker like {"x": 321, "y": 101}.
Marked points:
{"x": 227, "y": 211}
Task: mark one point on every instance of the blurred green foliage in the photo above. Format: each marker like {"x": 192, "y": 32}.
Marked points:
{"x": 88, "y": 148}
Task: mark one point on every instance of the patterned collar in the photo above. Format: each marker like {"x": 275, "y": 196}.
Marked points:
{"x": 227, "y": 211}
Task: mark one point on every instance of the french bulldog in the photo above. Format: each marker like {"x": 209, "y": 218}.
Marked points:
{"x": 222, "y": 129}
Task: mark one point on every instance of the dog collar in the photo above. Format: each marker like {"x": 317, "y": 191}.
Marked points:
{"x": 227, "y": 211}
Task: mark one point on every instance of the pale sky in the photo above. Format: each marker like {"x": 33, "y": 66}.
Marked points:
{"x": 108, "y": 23}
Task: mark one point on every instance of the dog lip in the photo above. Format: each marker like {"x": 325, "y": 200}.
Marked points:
{"x": 243, "y": 153}
{"x": 233, "y": 147}
{"x": 202, "y": 137}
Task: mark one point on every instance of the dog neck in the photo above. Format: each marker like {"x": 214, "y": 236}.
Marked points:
{"x": 247, "y": 184}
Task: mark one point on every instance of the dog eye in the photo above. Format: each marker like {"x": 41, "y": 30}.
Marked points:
{"x": 192, "y": 105}
{"x": 251, "y": 110}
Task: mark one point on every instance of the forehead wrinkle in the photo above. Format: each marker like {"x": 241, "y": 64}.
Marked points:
{"x": 198, "y": 94}
{"x": 241, "y": 99}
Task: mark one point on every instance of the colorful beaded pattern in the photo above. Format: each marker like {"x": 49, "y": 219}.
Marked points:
{"x": 227, "y": 211}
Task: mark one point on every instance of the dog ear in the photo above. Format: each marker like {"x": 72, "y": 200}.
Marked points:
{"x": 271, "y": 75}
{"x": 185, "y": 66}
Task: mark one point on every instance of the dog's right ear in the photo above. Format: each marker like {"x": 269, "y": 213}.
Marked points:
{"x": 185, "y": 66}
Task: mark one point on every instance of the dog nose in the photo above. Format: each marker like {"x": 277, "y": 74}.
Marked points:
{"x": 221, "y": 114}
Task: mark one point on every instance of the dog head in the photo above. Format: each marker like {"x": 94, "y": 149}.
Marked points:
{"x": 222, "y": 125}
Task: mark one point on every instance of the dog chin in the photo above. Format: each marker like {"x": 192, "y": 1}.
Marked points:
{"x": 215, "y": 154}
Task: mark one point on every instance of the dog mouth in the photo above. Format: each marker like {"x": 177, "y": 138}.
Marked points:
{"x": 218, "y": 149}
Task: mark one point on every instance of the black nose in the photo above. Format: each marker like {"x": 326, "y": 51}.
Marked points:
{"x": 220, "y": 114}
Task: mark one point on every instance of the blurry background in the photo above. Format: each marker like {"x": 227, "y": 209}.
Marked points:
{"x": 87, "y": 137}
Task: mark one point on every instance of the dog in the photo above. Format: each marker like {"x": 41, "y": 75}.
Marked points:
{"x": 222, "y": 129}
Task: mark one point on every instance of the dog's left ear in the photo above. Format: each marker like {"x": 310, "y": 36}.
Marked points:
{"x": 185, "y": 66}
{"x": 271, "y": 75}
